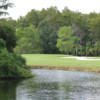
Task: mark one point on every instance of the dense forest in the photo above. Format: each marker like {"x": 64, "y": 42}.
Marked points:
{"x": 50, "y": 31}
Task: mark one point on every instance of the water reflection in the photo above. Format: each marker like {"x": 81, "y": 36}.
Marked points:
{"x": 8, "y": 89}
{"x": 53, "y": 85}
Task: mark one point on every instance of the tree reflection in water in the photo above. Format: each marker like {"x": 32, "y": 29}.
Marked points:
{"x": 8, "y": 89}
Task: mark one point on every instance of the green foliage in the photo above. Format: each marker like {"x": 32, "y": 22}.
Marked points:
{"x": 2, "y": 44}
{"x": 95, "y": 27}
{"x": 48, "y": 21}
{"x": 7, "y": 33}
{"x": 28, "y": 40}
{"x": 66, "y": 17}
{"x": 48, "y": 37}
{"x": 65, "y": 40}
{"x": 77, "y": 47}
{"x": 9, "y": 21}
{"x": 54, "y": 18}
{"x": 97, "y": 48}
{"x": 12, "y": 65}
{"x": 42, "y": 14}
{"x": 32, "y": 18}
{"x": 21, "y": 22}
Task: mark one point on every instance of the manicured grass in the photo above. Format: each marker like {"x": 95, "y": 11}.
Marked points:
{"x": 55, "y": 60}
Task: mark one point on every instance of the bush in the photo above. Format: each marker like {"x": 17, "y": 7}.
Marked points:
{"x": 12, "y": 65}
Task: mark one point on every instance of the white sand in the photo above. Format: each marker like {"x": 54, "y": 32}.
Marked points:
{"x": 81, "y": 58}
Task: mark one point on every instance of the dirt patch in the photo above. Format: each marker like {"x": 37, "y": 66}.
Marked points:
{"x": 66, "y": 68}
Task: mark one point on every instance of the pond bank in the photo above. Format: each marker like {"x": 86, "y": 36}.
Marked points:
{"x": 12, "y": 78}
{"x": 66, "y": 68}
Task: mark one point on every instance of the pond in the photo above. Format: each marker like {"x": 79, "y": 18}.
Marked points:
{"x": 53, "y": 85}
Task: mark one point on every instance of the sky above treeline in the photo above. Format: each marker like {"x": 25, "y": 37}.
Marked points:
{"x": 22, "y": 7}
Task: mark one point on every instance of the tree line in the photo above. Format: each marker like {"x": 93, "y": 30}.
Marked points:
{"x": 50, "y": 31}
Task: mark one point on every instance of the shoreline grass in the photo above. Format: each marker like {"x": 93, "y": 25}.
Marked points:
{"x": 54, "y": 60}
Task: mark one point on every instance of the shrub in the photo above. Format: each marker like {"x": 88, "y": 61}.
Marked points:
{"x": 12, "y": 65}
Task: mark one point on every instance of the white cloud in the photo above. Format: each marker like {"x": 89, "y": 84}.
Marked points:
{"x": 24, "y": 6}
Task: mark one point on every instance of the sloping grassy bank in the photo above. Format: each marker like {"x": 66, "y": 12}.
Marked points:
{"x": 53, "y": 61}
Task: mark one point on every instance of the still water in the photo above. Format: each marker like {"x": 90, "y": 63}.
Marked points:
{"x": 53, "y": 85}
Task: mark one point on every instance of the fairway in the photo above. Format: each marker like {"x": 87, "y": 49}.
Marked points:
{"x": 56, "y": 60}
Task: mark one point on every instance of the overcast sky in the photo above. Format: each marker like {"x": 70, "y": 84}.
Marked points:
{"x": 23, "y": 6}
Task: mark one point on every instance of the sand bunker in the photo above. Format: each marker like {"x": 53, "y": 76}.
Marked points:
{"x": 81, "y": 58}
